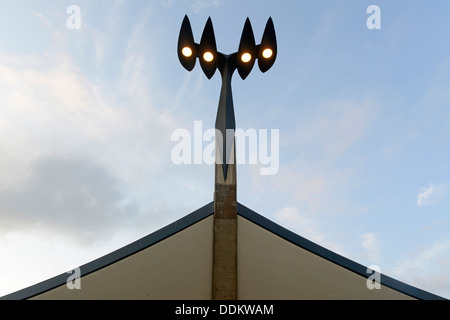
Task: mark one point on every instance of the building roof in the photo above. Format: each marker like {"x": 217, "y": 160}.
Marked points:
{"x": 175, "y": 262}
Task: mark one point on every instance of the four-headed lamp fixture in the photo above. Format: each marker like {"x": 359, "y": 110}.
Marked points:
{"x": 210, "y": 59}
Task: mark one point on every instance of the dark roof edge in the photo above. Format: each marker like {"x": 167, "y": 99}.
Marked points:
{"x": 117, "y": 255}
{"x": 332, "y": 256}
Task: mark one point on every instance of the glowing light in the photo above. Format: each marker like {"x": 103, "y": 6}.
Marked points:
{"x": 187, "y": 52}
{"x": 246, "y": 57}
{"x": 208, "y": 56}
{"x": 267, "y": 53}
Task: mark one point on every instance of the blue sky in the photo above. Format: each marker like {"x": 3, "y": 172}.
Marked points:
{"x": 86, "y": 118}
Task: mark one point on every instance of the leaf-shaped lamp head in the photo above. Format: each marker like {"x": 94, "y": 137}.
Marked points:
{"x": 247, "y": 54}
{"x": 207, "y": 50}
{"x": 187, "y": 48}
{"x": 268, "y": 47}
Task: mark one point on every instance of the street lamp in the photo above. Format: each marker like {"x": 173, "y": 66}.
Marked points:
{"x": 211, "y": 60}
{"x": 224, "y": 279}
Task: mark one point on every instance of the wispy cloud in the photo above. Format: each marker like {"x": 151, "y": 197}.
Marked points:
{"x": 68, "y": 196}
{"x": 292, "y": 219}
{"x": 432, "y": 194}
{"x": 336, "y": 127}
{"x": 168, "y": 3}
{"x": 370, "y": 243}
{"x": 201, "y": 5}
{"x": 196, "y": 7}
{"x": 428, "y": 269}
{"x": 53, "y": 115}
{"x": 43, "y": 19}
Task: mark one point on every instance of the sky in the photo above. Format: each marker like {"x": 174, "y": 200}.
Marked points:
{"x": 91, "y": 92}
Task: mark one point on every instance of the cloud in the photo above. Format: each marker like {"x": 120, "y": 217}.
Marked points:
{"x": 432, "y": 194}
{"x": 168, "y": 3}
{"x": 314, "y": 177}
{"x": 201, "y": 5}
{"x": 43, "y": 19}
{"x": 85, "y": 154}
{"x": 290, "y": 216}
{"x": 67, "y": 196}
{"x": 49, "y": 107}
{"x": 428, "y": 269}
{"x": 336, "y": 127}
{"x": 369, "y": 242}
{"x": 319, "y": 188}
{"x": 196, "y": 7}
{"x": 54, "y": 118}
{"x": 305, "y": 227}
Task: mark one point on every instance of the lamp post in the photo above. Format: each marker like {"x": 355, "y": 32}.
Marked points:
{"x": 225, "y": 202}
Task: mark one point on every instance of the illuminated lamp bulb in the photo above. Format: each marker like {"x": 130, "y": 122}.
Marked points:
{"x": 267, "y": 53}
{"x": 208, "y": 56}
{"x": 246, "y": 57}
{"x": 187, "y": 52}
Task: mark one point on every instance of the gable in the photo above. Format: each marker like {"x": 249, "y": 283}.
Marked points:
{"x": 175, "y": 263}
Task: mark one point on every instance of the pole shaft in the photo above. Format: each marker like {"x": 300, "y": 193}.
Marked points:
{"x": 225, "y": 201}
